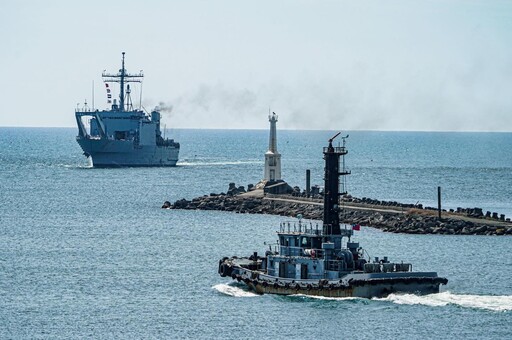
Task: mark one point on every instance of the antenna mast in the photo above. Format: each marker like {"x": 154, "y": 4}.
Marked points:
{"x": 122, "y": 77}
{"x": 140, "y": 97}
{"x": 332, "y": 156}
{"x": 93, "y": 95}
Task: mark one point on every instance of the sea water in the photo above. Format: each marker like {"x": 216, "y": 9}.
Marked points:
{"x": 88, "y": 252}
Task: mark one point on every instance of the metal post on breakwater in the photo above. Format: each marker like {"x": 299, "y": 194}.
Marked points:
{"x": 439, "y": 202}
{"x": 308, "y": 183}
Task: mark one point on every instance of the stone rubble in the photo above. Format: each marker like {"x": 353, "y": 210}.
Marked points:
{"x": 413, "y": 220}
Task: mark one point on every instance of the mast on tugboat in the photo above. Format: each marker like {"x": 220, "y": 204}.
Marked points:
{"x": 122, "y": 77}
{"x": 331, "y": 225}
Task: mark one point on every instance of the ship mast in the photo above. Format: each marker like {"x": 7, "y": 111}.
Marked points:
{"x": 331, "y": 189}
{"x": 122, "y": 77}
{"x": 121, "y": 94}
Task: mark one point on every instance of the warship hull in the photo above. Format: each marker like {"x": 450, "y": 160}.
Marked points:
{"x": 354, "y": 284}
{"x": 115, "y": 153}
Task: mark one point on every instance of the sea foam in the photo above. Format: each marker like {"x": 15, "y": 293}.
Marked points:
{"x": 501, "y": 303}
{"x": 233, "y": 290}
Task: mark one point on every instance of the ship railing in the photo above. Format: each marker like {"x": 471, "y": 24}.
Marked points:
{"x": 312, "y": 229}
{"x": 300, "y": 227}
{"x": 85, "y": 110}
{"x": 387, "y": 267}
{"x": 337, "y": 149}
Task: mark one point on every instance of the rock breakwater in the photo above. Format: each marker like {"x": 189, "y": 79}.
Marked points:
{"x": 393, "y": 217}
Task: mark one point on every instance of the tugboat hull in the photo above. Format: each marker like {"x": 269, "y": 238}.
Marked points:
{"x": 368, "y": 290}
{"x": 354, "y": 284}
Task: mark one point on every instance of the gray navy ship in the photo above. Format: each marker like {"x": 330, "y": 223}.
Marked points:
{"x": 124, "y": 136}
{"x": 324, "y": 261}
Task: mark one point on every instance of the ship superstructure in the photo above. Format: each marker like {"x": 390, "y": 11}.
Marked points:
{"x": 324, "y": 261}
{"x": 124, "y": 135}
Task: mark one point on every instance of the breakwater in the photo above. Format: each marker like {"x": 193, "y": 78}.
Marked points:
{"x": 386, "y": 216}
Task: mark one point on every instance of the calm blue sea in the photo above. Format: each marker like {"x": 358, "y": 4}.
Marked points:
{"x": 89, "y": 253}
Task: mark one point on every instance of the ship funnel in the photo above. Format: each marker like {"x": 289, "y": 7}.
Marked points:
{"x": 155, "y": 116}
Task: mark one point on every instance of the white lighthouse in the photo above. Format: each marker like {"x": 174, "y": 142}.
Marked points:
{"x": 272, "y": 156}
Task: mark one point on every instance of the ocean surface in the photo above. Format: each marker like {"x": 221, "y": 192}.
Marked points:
{"x": 88, "y": 252}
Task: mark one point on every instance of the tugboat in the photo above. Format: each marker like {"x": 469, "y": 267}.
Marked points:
{"x": 124, "y": 136}
{"x": 314, "y": 261}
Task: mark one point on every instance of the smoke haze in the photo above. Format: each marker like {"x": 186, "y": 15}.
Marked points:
{"x": 370, "y": 65}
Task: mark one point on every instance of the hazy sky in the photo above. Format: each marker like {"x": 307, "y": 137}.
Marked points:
{"x": 368, "y": 65}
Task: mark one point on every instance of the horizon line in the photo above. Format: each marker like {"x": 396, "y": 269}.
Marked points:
{"x": 282, "y": 129}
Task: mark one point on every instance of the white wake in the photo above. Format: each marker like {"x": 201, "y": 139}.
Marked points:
{"x": 498, "y": 303}
{"x": 316, "y": 297}
{"x": 233, "y": 291}
{"x": 501, "y": 303}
